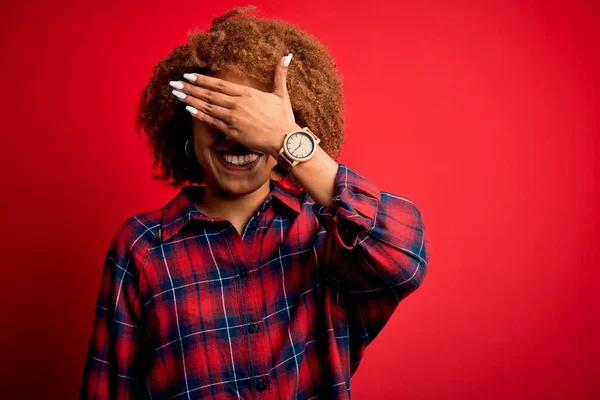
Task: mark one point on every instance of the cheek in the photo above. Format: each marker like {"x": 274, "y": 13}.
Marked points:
{"x": 203, "y": 153}
{"x": 204, "y": 140}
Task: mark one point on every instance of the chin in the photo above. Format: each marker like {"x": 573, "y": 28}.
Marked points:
{"x": 239, "y": 183}
{"x": 244, "y": 184}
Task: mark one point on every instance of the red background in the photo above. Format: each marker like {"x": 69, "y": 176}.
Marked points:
{"x": 484, "y": 113}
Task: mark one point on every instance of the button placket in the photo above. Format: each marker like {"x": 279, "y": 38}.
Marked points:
{"x": 252, "y": 304}
{"x": 252, "y": 224}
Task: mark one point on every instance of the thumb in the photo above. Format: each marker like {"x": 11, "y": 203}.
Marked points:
{"x": 280, "y": 84}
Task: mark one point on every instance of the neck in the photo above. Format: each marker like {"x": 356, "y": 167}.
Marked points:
{"x": 234, "y": 208}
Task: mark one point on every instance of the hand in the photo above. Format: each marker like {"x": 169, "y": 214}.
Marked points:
{"x": 253, "y": 118}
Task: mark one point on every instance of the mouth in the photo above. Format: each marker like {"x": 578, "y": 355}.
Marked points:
{"x": 239, "y": 161}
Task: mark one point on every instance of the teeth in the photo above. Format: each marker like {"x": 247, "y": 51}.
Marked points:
{"x": 240, "y": 160}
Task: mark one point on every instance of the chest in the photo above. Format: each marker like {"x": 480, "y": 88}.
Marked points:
{"x": 210, "y": 277}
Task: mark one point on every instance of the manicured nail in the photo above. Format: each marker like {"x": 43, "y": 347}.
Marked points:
{"x": 179, "y": 94}
{"x": 191, "y": 109}
{"x": 286, "y": 61}
{"x": 176, "y": 85}
{"x": 190, "y": 77}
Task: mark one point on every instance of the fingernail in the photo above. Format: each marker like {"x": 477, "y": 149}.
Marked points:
{"x": 286, "y": 61}
{"x": 179, "y": 94}
{"x": 191, "y": 109}
{"x": 190, "y": 77}
{"x": 176, "y": 85}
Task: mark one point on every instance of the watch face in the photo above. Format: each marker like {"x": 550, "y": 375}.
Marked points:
{"x": 300, "y": 144}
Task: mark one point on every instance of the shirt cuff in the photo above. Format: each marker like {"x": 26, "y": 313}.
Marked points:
{"x": 354, "y": 209}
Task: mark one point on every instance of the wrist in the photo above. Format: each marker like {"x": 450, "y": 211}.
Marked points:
{"x": 278, "y": 143}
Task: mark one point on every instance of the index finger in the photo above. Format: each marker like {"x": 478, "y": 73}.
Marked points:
{"x": 216, "y": 84}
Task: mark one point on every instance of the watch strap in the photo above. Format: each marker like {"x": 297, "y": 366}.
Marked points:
{"x": 284, "y": 163}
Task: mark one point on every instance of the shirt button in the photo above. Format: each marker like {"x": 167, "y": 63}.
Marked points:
{"x": 252, "y": 328}
{"x": 253, "y": 224}
{"x": 243, "y": 272}
{"x": 261, "y": 386}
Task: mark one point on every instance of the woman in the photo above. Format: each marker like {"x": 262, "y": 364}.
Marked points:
{"x": 274, "y": 266}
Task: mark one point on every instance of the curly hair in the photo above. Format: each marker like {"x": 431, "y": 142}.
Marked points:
{"x": 250, "y": 46}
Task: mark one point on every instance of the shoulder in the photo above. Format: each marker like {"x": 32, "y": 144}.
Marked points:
{"x": 135, "y": 235}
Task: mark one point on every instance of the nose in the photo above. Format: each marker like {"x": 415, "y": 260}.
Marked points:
{"x": 236, "y": 146}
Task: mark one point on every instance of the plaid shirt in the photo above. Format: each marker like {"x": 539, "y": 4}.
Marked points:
{"x": 189, "y": 308}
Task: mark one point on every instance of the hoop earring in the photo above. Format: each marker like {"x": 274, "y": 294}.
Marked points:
{"x": 186, "y": 150}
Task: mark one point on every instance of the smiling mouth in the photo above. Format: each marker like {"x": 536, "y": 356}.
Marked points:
{"x": 239, "y": 160}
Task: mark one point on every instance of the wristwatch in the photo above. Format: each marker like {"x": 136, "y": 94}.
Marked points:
{"x": 298, "y": 146}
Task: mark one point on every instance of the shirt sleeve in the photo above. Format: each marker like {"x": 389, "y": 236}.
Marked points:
{"x": 111, "y": 369}
{"x": 376, "y": 246}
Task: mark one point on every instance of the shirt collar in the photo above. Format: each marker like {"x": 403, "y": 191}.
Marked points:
{"x": 181, "y": 209}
